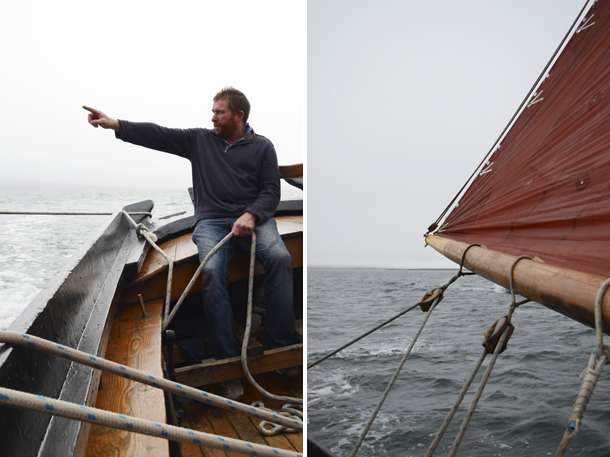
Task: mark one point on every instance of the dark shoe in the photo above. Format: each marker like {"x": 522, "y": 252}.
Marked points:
{"x": 292, "y": 372}
{"x": 233, "y": 390}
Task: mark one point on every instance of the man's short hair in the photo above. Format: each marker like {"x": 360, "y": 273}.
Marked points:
{"x": 236, "y": 100}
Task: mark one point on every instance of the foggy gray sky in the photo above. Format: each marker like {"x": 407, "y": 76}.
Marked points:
{"x": 139, "y": 60}
{"x": 405, "y": 98}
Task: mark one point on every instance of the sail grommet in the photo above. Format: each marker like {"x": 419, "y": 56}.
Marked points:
{"x": 493, "y": 334}
{"x": 429, "y": 298}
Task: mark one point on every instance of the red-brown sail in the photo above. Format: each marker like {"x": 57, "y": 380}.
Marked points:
{"x": 546, "y": 191}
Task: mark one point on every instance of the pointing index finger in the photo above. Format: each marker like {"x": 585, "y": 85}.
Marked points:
{"x": 93, "y": 110}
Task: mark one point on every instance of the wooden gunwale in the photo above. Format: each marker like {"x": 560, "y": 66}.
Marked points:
{"x": 569, "y": 292}
{"x": 186, "y": 262}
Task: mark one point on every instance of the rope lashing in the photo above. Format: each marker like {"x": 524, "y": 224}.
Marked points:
{"x": 63, "y": 213}
{"x": 82, "y": 358}
{"x": 9, "y": 397}
{"x": 394, "y": 377}
{"x": 297, "y": 402}
{"x": 588, "y": 378}
{"x": 383, "y": 324}
{"x": 494, "y": 342}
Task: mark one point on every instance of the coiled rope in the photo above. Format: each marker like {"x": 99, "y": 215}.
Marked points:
{"x": 588, "y": 378}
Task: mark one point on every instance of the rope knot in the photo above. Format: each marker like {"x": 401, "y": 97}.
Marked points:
{"x": 141, "y": 228}
{"x": 589, "y": 375}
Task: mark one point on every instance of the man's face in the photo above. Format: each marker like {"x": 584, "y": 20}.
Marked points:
{"x": 226, "y": 123}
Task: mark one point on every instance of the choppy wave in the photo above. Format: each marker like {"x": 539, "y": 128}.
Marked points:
{"x": 524, "y": 408}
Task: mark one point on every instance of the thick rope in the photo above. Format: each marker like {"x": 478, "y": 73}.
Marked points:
{"x": 458, "y": 439}
{"x": 82, "y": 413}
{"x": 168, "y": 317}
{"x": 297, "y": 402}
{"x": 108, "y": 366}
{"x": 588, "y": 378}
{"x": 497, "y": 350}
{"x": 456, "y": 405}
{"x": 391, "y": 383}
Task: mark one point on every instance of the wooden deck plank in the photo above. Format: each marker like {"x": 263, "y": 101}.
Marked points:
{"x": 277, "y": 384}
{"x": 273, "y": 359}
{"x": 209, "y": 419}
{"x": 135, "y": 341}
{"x": 250, "y": 395}
{"x": 196, "y": 420}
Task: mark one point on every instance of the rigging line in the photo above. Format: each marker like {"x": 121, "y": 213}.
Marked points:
{"x": 488, "y": 343}
{"x": 588, "y": 378}
{"x": 442, "y": 288}
{"x": 434, "y": 226}
{"x": 394, "y": 377}
{"x": 313, "y": 364}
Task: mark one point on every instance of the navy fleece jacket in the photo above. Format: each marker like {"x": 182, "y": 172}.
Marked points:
{"x": 227, "y": 180}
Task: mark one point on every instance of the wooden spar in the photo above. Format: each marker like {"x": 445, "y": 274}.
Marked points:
{"x": 569, "y": 292}
{"x": 291, "y": 171}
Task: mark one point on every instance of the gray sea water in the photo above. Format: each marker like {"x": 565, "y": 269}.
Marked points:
{"x": 524, "y": 408}
{"x": 34, "y": 248}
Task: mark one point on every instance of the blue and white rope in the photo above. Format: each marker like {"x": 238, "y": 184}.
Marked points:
{"x": 13, "y": 398}
{"x": 108, "y": 366}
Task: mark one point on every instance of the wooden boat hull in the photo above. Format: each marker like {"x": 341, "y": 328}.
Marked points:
{"x": 92, "y": 305}
{"x": 72, "y": 310}
{"x": 569, "y": 292}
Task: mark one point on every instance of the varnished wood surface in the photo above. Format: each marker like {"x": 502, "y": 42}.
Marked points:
{"x": 568, "y": 292}
{"x": 291, "y": 171}
{"x": 234, "y": 425}
{"x": 135, "y": 341}
{"x": 222, "y": 370}
{"x": 152, "y": 284}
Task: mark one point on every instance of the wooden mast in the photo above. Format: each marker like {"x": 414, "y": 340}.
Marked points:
{"x": 566, "y": 291}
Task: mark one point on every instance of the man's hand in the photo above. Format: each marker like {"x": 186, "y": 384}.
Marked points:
{"x": 97, "y": 118}
{"x": 244, "y": 225}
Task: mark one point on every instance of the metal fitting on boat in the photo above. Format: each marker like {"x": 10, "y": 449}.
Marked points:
{"x": 493, "y": 334}
{"x": 429, "y": 298}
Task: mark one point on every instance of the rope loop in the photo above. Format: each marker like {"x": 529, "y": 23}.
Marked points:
{"x": 514, "y": 304}
{"x": 464, "y": 258}
{"x": 271, "y": 428}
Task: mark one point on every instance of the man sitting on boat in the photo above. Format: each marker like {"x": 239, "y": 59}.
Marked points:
{"x": 236, "y": 188}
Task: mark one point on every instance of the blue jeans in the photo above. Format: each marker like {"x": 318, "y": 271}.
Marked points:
{"x": 277, "y": 263}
